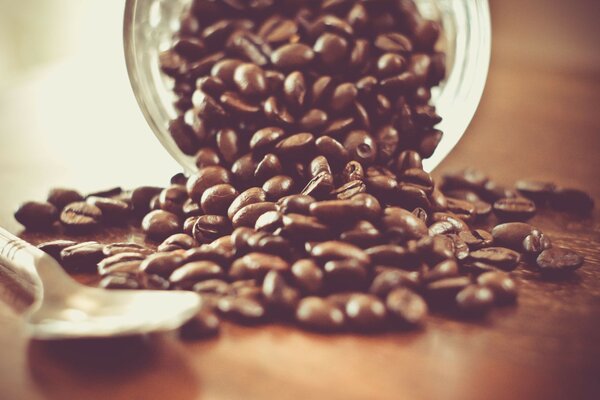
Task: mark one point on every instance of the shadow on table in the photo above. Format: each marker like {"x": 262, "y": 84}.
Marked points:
{"x": 125, "y": 368}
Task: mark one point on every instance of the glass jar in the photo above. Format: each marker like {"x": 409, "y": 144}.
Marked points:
{"x": 149, "y": 28}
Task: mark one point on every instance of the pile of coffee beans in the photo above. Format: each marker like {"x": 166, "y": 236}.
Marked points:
{"x": 309, "y": 122}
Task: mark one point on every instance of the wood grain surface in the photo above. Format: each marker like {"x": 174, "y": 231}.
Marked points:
{"x": 539, "y": 119}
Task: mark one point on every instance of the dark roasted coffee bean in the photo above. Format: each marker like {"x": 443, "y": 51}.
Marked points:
{"x": 317, "y": 313}
{"x": 442, "y": 291}
{"x": 335, "y": 211}
{"x": 307, "y": 275}
{"x": 276, "y": 112}
{"x": 125, "y": 247}
{"x": 302, "y": 226}
{"x": 390, "y": 64}
{"x": 205, "y": 178}
{"x": 37, "y": 216}
{"x": 500, "y": 257}
{"x": 278, "y": 293}
{"x": 210, "y": 227}
{"x": 366, "y": 312}
{"x": 411, "y": 196}
{"x": 265, "y": 242}
{"x": 256, "y": 265}
{"x": 141, "y": 196}
{"x": 159, "y": 224}
{"x": 269, "y": 221}
{"x": 572, "y": 200}
{"x": 345, "y": 274}
{"x": 292, "y": 56}
{"x": 82, "y": 256}
{"x": 171, "y": 199}
{"x": 314, "y": 120}
{"x": 61, "y": 197}
{"x": 264, "y": 139}
{"x": 406, "y": 306}
{"x": 189, "y": 274}
{"x": 514, "y": 209}
{"x": 294, "y": 89}
{"x": 349, "y": 190}
{"x": 113, "y": 210}
{"x": 296, "y": 145}
{"x": 363, "y": 234}
{"x": 402, "y": 224}
{"x": 207, "y": 107}
{"x": 242, "y": 171}
{"x": 393, "y": 42}
{"x": 536, "y": 242}
{"x": 343, "y": 97}
{"x": 242, "y": 309}
{"x": 176, "y": 242}
{"x": 476, "y": 239}
{"x": 247, "y": 197}
{"x": 361, "y": 147}
{"x": 183, "y": 136}
{"x": 277, "y": 29}
{"x": 475, "y": 300}
{"x": 319, "y": 185}
{"x": 278, "y": 187}
{"x": 212, "y": 286}
{"x": 353, "y": 171}
{"x": 442, "y": 270}
{"x": 501, "y": 284}
{"x": 54, "y": 247}
{"x": 332, "y": 49}
{"x": 247, "y": 215}
{"x": 162, "y": 264}
{"x": 334, "y": 250}
{"x": 121, "y": 262}
{"x": 204, "y": 324}
{"x": 537, "y": 191}
{"x": 250, "y": 80}
{"x": 441, "y": 228}
{"x": 217, "y": 199}
{"x": 557, "y": 260}
{"x": 391, "y": 255}
{"x": 228, "y": 144}
{"x": 119, "y": 281}
{"x": 408, "y": 159}
{"x": 295, "y": 203}
{"x": 80, "y": 216}
{"x": 512, "y": 234}
{"x": 250, "y": 47}
{"x": 391, "y": 279}
{"x": 237, "y": 105}
{"x": 459, "y": 224}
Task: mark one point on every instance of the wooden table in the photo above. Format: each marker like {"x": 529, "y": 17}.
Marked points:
{"x": 538, "y": 119}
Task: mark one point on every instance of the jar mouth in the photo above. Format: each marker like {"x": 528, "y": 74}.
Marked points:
{"x": 149, "y": 25}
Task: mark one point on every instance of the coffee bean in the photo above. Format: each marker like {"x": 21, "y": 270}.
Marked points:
{"x": 292, "y": 56}
{"x": 82, "y": 257}
{"x": 210, "y": 227}
{"x": 302, "y": 226}
{"x": 278, "y": 293}
{"x": 557, "y": 260}
{"x": 212, "y": 286}
{"x": 269, "y": 221}
{"x": 61, "y": 197}
{"x": 388, "y": 280}
{"x": 242, "y": 309}
{"x": 345, "y": 274}
{"x": 443, "y": 270}
{"x": 501, "y": 284}
{"x": 390, "y": 64}
{"x": 393, "y": 42}
{"x": 439, "y": 292}
{"x": 119, "y": 281}
{"x": 500, "y": 257}
{"x": 314, "y": 120}
{"x": 54, "y": 247}
{"x": 189, "y": 274}
{"x": 363, "y": 234}
{"x": 512, "y": 234}
{"x": 295, "y": 145}
{"x": 514, "y": 209}
{"x": 307, "y": 275}
{"x": 204, "y": 324}
{"x": 217, "y": 199}
{"x": 247, "y": 215}
{"x": 204, "y": 179}
{"x": 264, "y": 139}
{"x": 406, "y": 306}
{"x": 361, "y": 147}
{"x": 80, "y": 217}
{"x": 319, "y": 185}
{"x": 536, "y": 242}
{"x": 317, "y": 313}
{"x": 121, "y": 262}
{"x": 250, "y": 47}
{"x": 125, "y": 247}
{"x": 294, "y": 89}
{"x": 159, "y": 224}
{"x": 176, "y": 242}
{"x": 113, "y": 210}
{"x": 365, "y": 311}
{"x": 475, "y": 300}
{"x": 277, "y": 29}
{"x": 334, "y": 250}
{"x": 278, "y": 187}
{"x": 239, "y": 106}
{"x": 539, "y": 192}
{"x": 391, "y": 255}
{"x": 36, "y": 216}
{"x": 276, "y": 112}
{"x": 296, "y": 203}
{"x": 141, "y": 196}
{"x": 403, "y": 224}
{"x": 256, "y": 266}
{"x": 349, "y": 190}
{"x": 250, "y": 80}
{"x": 572, "y": 200}
{"x": 249, "y": 196}
{"x": 477, "y": 238}
{"x": 162, "y": 264}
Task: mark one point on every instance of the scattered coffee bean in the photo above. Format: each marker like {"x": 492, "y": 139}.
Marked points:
{"x": 557, "y": 260}
{"x": 36, "y": 216}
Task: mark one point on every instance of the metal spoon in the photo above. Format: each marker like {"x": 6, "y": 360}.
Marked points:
{"x": 65, "y": 309}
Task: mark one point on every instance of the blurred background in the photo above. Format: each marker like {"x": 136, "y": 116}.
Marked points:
{"x": 64, "y": 92}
